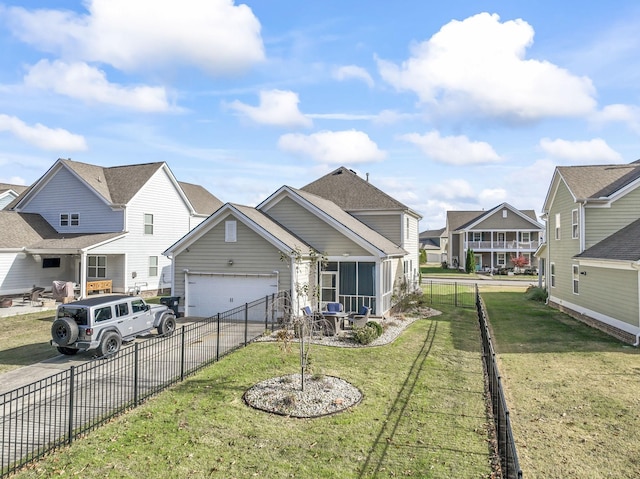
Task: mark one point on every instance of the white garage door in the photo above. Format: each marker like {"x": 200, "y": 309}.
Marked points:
{"x": 209, "y": 294}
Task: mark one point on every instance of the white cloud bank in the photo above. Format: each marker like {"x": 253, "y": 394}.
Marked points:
{"x": 213, "y": 35}
{"x": 479, "y": 65}
{"x": 81, "y": 81}
{"x": 580, "y": 152}
{"x": 453, "y": 150}
{"x": 349, "y": 72}
{"x": 333, "y": 147}
{"x": 277, "y": 107}
{"x": 42, "y": 137}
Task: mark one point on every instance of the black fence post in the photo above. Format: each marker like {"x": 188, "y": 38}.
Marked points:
{"x": 72, "y": 383}
{"x": 455, "y": 294}
{"x": 246, "y": 322}
{"x": 182, "y": 353}
{"x": 218, "y": 338}
{"x": 266, "y": 312}
{"x": 135, "y": 374}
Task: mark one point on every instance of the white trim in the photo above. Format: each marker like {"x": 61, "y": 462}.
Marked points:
{"x": 609, "y": 264}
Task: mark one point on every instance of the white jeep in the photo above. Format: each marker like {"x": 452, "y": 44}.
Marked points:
{"x": 104, "y": 322}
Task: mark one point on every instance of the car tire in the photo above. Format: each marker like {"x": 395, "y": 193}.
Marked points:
{"x": 64, "y": 331}
{"x": 110, "y": 344}
{"x": 167, "y": 325}
{"x": 67, "y": 351}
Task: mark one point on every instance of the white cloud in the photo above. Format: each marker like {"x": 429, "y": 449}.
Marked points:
{"x": 452, "y": 189}
{"x": 81, "y": 81}
{"x": 213, "y": 35}
{"x": 479, "y": 65}
{"x": 618, "y": 113}
{"x": 333, "y": 147}
{"x": 352, "y": 71}
{"x": 453, "y": 150}
{"x": 276, "y": 107}
{"x": 591, "y": 151}
{"x": 14, "y": 180}
{"x": 491, "y": 197}
{"x": 41, "y": 136}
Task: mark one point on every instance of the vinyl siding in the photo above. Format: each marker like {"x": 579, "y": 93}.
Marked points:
{"x": 251, "y": 253}
{"x": 388, "y": 225}
{"x": 603, "y": 222}
{"x": 621, "y": 298}
{"x": 411, "y": 243}
{"x": 18, "y": 270}
{"x": 64, "y": 193}
{"x": 561, "y": 251}
{"x": 314, "y": 230}
{"x": 510, "y": 223}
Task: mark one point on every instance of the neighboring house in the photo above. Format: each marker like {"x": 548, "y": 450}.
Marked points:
{"x": 245, "y": 253}
{"x": 434, "y": 243}
{"x": 592, "y": 246}
{"x": 495, "y": 236}
{"x": 102, "y": 228}
{"x": 8, "y": 193}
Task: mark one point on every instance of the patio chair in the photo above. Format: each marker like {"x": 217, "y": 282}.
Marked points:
{"x": 34, "y": 296}
{"x": 358, "y": 320}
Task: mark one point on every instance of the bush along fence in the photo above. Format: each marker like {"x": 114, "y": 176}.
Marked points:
{"x": 504, "y": 436}
{"x": 54, "y": 411}
{"x": 451, "y": 293}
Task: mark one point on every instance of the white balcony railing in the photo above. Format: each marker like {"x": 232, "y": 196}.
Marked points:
{"x": 502, "y": 245}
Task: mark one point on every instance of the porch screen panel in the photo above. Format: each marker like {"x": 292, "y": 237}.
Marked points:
{"x": 348, "y": 284}
{"x": 366, "y": 279}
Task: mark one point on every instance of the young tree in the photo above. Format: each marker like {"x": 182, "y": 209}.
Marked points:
{"x": 470, "y": 263}
{"x": 519, "y": 262}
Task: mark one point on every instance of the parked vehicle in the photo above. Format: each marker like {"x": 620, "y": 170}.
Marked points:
{"x": 104, "y": 322}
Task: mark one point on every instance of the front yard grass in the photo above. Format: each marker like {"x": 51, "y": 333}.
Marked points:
{"x": 24, "y": 340}
{"x": 572, "y": 392}
{"x": 422, "y": 415}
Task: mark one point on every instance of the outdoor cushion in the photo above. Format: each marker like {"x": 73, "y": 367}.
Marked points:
{"x": 334, "y": 307}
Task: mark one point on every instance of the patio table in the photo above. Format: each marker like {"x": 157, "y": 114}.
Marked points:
{"x": 334, "y": 321}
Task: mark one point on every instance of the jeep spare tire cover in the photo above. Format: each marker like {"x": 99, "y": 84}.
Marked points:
{"x": 64, "y": 331}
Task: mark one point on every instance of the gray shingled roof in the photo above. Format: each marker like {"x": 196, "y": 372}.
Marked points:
{"x": 598, "y": 181}
{"x": 360, "y": 229}
{"x": 273, "y": 228}
{"x": 352, "y": 193}
{"x": 17, "y": 188}
{"x": 202, "y": 201}
{"x": 623, "y": 245}
{"x": 32, "y": 231}
{"x": 459, "y": 220}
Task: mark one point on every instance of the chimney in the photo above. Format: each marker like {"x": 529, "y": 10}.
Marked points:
{"x": 367, "y": 177}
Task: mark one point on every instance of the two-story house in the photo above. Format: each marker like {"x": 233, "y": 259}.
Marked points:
{"x": 496, "y": 237}
{"x": 102, "y": 228}
{"x": 240, "y": 254}
{"x": 592, "y": 248}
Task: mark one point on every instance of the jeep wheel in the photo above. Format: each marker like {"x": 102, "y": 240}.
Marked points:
{"x": 64, "y": 331}
{"x": 167, "y": 325}
{"x": 110, "y": 344}
{"x": 67, "y": 351}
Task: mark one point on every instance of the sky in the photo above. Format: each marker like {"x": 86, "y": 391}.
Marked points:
{"x": 457, "y": 105}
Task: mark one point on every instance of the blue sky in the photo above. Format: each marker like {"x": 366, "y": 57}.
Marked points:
{"x": 450, "y": 105}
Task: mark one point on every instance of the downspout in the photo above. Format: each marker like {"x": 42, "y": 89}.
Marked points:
{"x": 636, "y": 265}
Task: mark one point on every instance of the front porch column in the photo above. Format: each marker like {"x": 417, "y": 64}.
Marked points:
{"x": 83, "y": 274}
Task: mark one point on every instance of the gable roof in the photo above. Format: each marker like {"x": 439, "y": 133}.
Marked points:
{"x": 352, "y": 193}
{"x": 117, "y": 185}
{"x": 332, "y": 213}
{"x": 254, "y": 219}
{"x": 594, "y": 182}
{"x": 462, "y": 220}
{"x": 32, "y": 232}
{"x": 6, "y": 187}
{"x": 623, "y": 245}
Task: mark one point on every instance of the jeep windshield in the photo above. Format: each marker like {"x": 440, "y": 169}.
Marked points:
{"x": 79, "y": 315}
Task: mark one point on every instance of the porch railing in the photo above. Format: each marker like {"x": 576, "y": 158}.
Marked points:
{"x": 502, "y": 245}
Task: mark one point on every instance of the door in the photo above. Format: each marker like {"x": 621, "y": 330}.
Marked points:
{"x": 208, "y": 295}
{"x": 478, "y": 261}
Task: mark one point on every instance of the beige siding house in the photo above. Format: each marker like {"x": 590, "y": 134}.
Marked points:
{"x": 240, "y": 254}
{"x": 592, "y": 248}
{"x": 495, "y": 236}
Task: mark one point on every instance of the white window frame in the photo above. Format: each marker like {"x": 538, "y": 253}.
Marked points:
{"x": 501, "y": 259}
{"x": 74, "y": 219}
{"x": 230, "y": 231}
{"x": 64, "y": 219}
{"x": 148, "y": 223}
{"x": 575, "y": 272}
{"x": 97, "y": 270}
{"x": 557, "y": 226}
{"x": 552, "y": 274}
{"x": 153, "y": 266}
{"x": 575, "y": 224}
{"x": 527, "y": 235}
{"x": 476, "y": 234}
{"x": 407, "y": 229}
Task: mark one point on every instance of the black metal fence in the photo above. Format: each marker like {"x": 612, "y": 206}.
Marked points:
{"x": 452, "y": 293}
{"x": 54, "y": 411}
{"x": 504, "y": 436}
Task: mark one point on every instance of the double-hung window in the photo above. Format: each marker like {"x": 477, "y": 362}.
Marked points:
{"x": 69, "y": 219}
{"x": 552, "y": 273}
{"x": 97, "y": 266}
{"x": 148, "y": 224}
{"x": 576, "y": 279}
{"x": 153, "y": 266}
{"x": 557, "y": 226}
{"x": 575, "y": 231}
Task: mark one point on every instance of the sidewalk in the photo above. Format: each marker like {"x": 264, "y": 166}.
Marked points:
{"x": 25, "y": 307}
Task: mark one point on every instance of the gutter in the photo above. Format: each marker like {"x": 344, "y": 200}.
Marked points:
{"x": 636, "y": 265}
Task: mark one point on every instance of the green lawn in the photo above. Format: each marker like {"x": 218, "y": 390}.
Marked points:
{"x": 572, "y": 391}
{"x": 24, "y": 339}
{"x": 422, "y": 415}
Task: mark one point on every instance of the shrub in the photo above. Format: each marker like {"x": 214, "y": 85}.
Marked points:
{"x": 377, "y": 326}
{"x": 365, "y": 334}
{"x": 535, "y": 293}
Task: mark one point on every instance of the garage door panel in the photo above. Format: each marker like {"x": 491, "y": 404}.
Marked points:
{"x": 209, "y": 295}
